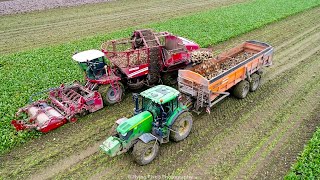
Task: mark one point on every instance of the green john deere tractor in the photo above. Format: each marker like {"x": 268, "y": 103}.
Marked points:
{"x": 158, "y": 117}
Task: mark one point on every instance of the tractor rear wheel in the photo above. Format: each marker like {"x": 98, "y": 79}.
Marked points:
{"x": 241, "y": 89}
{"x": 255, "y": 82}
{"x": 111, "y": 95}
{"x": 144, "y": 153}
{"x": 181, "y": 127}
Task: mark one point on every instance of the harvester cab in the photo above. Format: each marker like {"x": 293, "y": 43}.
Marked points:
{"x": 158, "y": 117}
{"x": 100, "y": 76}
{"x": 92, "y": 62}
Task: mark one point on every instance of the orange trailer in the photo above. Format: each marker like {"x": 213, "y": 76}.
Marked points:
{"x": 240, "y": 78}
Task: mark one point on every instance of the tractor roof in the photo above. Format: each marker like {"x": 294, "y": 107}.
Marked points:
{"x": 88, "y": 55}
{"x": 160, "y": 94}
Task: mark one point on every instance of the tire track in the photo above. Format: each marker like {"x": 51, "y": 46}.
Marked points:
{"x": 51, "y": 171}
{"x": 285, "y": 152}
{"x": 284, "y": 56}
{"x": 284, "y": 130}
{"x": 75, "y": 27}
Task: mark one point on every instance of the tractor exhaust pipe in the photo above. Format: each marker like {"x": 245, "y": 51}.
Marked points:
{"x": 135, "y": 98}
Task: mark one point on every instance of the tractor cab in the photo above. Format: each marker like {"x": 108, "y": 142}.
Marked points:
{"x": 92, "y": 62}
{"x": 159, "y": 100}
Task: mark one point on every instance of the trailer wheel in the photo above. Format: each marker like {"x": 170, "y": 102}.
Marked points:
{"x": 144, "y": 153}
{"x": 181, "y": 127}
{"x": 241, "y": 89}
{"x": 255, "y": 82}
{"x": 109, "y": 96}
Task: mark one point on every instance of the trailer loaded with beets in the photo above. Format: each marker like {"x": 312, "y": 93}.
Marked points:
{"x": 162, "y": 113}
{"x": 238, "y": 69}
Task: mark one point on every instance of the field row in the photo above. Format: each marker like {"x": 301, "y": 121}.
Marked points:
{"x": 55, "y": 26}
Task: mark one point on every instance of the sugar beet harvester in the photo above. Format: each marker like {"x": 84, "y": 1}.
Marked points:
{"x": 162, "y": 113}
{"x": 145, "y": 58}
{"x": 142, "y": 59}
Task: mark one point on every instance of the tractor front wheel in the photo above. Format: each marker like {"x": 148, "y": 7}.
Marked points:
{"x": 144, "y": 153}
{"x": 181, "y": 127}
{"x": 111, "y": 95}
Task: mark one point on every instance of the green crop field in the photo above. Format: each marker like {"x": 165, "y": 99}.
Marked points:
{"x": 285, "y": 93}
{"x": 308, "y": 164}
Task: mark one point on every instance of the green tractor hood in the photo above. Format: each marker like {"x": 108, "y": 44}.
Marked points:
{"x": 111, "y": 146}
{"x": 127, "y": 131}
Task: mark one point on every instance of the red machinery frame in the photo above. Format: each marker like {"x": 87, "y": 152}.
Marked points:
{"x": 61, "y": 106}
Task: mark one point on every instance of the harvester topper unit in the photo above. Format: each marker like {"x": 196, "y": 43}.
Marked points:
{"x": 62, "y": 105}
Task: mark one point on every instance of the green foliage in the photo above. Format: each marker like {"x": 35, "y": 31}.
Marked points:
{"x": 25, "y": 73}
{"x": 308, "y": 164}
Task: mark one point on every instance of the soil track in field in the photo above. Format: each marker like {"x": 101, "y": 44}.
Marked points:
{"x": 258, "y": 137}
{"x": 39, "y": 29}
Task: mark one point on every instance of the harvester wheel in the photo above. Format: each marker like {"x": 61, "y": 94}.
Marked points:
{"x": 135, "y": 84}
{"x": 72, "y": 119}
{"x": 241, "y": 89}
{"x": 144, "y": 153}
{"x": 255, "y": 82}
{"x": 83, "y": 113}
{"x": 181, "y": 127}
{"x": 110, "y": 96}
